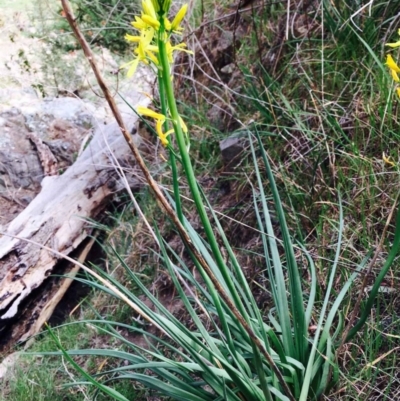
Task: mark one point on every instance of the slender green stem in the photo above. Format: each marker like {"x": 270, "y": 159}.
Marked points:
{"x": 175, "y": 181}
{"x": 172, "y": 160}
{"x": 187, "y": 165}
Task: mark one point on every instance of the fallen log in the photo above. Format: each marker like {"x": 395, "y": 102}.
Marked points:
{"x": 58, "y": 218}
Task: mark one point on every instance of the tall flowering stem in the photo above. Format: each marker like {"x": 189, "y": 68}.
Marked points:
{"x": 154, "y": 47}
{"x": 186, "y": 162}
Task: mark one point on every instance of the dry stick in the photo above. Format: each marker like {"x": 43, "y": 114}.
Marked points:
{"x": 163, "y": 201}
{"x": 364, "y": 282}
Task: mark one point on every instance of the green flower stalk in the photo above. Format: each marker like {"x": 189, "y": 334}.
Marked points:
{"x": 156, "y": 47}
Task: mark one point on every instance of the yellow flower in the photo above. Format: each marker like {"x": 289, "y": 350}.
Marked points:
{"x": 398, "y": 92}
{"x": 394, "y": 75}
{"x": 183, "y": 125}
{"x": 178, "y": 18}
{"x": 163, "y": 136}
{"x": 148, "y": 9}
{"x": 391, "y": 63}
{"x": 179, "y": 47}
{"x": 144, "y": 111}
{"x": 152, "y": 57}
{"x": 149, "y": 17}
{"x": 387, "y": 160}
{"x": 185, "y": 131}
{"x": 394, "y": 68}
{"x": 131, "y": 38}
{"x": 160, "y": 120}
{"x": 167, "y": 24}
{"x": 395, "y": 44}
{"x": 153, "y": 48}
{"x": 143, "y": 50}
{"x": 133, "y": 65}
{"x": 139, "y": 23}
{"x": 150, "y": 21}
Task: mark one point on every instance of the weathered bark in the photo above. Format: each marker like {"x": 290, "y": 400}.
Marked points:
{"x": 57, "y": 217}
{"x": 41, "y": 306}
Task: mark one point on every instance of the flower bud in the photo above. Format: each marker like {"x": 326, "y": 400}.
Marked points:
{"x": 148, "y": 9}
{"x": 178, "y": 18}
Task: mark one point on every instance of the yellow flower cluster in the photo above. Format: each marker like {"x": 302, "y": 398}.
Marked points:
{"x": 394, "y": 68}
{"x": 154, "y": 47}
{"x": 149, "y": 24}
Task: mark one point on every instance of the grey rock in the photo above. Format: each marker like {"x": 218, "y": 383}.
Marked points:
{"x": 70, "y": 109}
{"x": 62, "y": 150}
{"x": 225, "y": 40}
{"x": 232, "y": 149}
{"x": 228, "y": 69}
{"x": 217, "y": 116}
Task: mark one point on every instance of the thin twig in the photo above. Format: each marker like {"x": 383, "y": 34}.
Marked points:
{"x": 164, "y": 202}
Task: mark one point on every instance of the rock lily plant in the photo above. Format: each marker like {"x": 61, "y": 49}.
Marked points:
{"x": 232, "y": 350}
